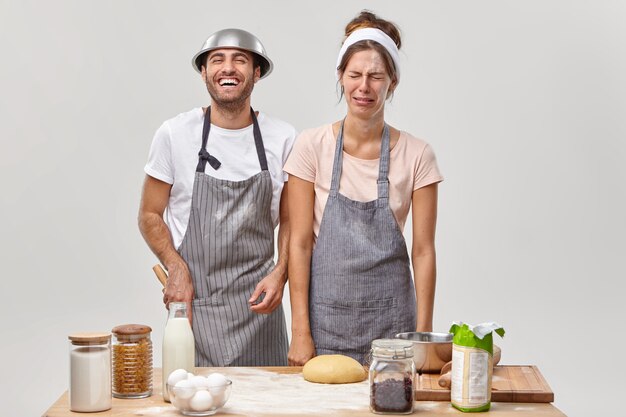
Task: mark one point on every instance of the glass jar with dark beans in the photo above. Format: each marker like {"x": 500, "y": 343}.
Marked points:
{"x": 391, "y": 377}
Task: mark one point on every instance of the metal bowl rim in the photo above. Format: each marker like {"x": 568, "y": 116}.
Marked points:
{"x": 244, "y": 40}
{"x": 436, "y": 334}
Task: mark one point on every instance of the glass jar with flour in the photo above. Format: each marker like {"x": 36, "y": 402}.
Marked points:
{"x": 90, "y": 372}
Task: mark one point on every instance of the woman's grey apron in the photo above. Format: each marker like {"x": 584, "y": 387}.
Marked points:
{"x": 361, "y": 287}
{"x": 229, "y": 248}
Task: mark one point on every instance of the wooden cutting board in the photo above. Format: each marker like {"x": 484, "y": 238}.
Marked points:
{"x": 511, "y": 383}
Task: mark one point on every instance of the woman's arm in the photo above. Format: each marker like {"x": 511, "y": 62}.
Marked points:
{"x": 301, "y": 200}
{"x": 424, "y": 216}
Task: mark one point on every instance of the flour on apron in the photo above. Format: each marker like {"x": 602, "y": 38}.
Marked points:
{"x": 229, "y": 248}
{"x": 361, "y": 286}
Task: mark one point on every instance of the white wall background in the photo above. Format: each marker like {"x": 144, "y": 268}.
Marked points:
{"x": 524, "y": 103}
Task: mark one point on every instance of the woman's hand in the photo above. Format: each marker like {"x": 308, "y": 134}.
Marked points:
{"x": 301, "y": 350}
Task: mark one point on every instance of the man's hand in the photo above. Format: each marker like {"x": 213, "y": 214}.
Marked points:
{"x": 268, "y": 293}
{"x": 179, "y": 287}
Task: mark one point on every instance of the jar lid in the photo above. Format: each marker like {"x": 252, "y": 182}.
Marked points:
{"x": 392, "y": 348}
{"x": 89, "y": 338}
{"x": 131, "y": 329}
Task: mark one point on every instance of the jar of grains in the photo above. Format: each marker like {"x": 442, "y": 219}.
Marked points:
{"x": 132, "y": 361}
{"x": 392, "y": 376}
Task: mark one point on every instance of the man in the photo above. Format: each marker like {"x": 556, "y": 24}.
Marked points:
{"x": 216, "y": 238}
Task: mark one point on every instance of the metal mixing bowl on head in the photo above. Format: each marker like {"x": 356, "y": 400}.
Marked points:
{"x": 234, "y": 38}
{"x": 430, "y": 350}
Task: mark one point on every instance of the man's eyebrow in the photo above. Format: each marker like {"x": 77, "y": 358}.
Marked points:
{"x": 222, "y": 54}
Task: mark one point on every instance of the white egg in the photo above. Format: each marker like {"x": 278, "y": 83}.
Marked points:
{"x": 201, "y": 401}
{"x": 189, "y": 375}
{"x": 219, "y": 398}
{"x": 199, "y": 381}
{"x": 217, "y": 380}
{"x": 179, "y": 402}
{"x": 217, "y": 385}
{"x": 184, "y": 389}
{"x": 175, "y": 376}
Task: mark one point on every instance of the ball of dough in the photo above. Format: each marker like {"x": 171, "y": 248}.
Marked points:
{"x": 333, "y": 369}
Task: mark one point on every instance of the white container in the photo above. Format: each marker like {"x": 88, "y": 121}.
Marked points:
{"x": 90, "y": 372}
{"x": 179, "y": 349}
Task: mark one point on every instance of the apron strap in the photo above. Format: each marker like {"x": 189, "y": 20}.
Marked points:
{"x": 383, "y": 166}
{"x": 337, "y": 162}
{"x": 204, "y": 155}
{"x": 258, "y": 141}
{"x": 383, "y": 169}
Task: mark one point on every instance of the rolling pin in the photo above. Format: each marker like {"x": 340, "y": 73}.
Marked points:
{"x": 445, "y": 380}
{"x": 160, "y": 273}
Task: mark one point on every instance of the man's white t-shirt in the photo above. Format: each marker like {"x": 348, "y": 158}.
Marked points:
{"x": 173, "y": 159}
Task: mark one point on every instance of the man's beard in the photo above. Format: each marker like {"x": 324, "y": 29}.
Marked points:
{"x": 231, "y": 104}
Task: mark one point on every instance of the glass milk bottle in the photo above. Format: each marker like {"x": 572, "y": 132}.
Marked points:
{"x": 90, "y": 372}
{"x": 178, "y": 344}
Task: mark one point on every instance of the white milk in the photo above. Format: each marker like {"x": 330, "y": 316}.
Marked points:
{"x": 90, "y": 379}
{"x": 178, "y": 348}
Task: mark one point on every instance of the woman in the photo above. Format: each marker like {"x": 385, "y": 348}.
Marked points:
{"x": 350, "y": 188}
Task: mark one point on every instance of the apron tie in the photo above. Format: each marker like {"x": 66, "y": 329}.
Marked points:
{"x": 205, "y": 156}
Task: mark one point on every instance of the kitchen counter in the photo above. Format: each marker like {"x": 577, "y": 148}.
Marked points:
{"x": 281, "y": 391}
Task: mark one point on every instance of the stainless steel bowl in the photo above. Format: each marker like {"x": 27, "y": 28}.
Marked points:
{"x": 234, "y": 38}
{"x": 430, "y": 350}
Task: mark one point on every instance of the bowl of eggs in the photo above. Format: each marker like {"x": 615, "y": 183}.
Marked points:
{"x": 197, "y": 395}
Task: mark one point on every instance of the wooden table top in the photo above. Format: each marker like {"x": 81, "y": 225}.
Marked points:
{"x": 281, "y": 391}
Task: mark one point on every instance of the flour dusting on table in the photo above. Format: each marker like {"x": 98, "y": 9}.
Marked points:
{"x": 256, "y": 392}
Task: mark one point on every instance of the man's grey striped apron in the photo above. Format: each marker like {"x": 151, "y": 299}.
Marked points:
{"x": 361, "y": 287}
{"x": 229, "y": 248}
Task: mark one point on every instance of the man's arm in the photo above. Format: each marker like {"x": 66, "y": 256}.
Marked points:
{"x": 154, "y": 199}
{"x": 274, "y": 284}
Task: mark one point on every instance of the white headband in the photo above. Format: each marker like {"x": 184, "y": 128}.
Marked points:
{"x": 376, "y": 35}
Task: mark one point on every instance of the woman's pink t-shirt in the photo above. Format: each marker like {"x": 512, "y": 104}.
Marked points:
{"x": 412, "y": 165}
